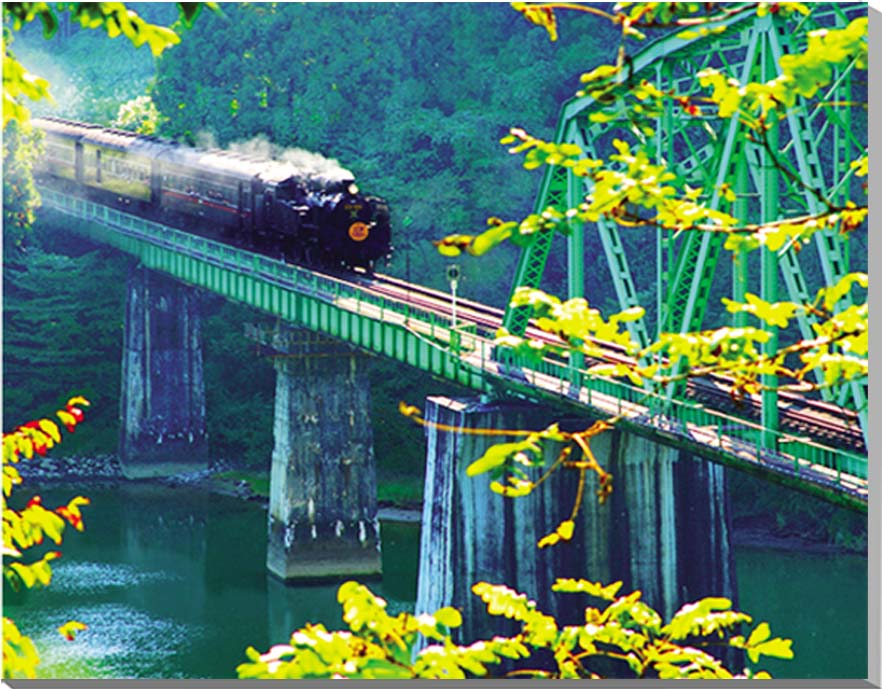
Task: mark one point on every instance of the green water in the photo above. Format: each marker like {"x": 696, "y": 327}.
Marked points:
{"x": 818, "y": 600}
{"x": 172, "y": 584}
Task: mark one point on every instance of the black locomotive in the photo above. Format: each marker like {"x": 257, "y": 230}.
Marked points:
{"x": 264, "y": 205}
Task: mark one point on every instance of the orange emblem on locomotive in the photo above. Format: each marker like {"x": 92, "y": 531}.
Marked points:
{"x": 358, "y": 231}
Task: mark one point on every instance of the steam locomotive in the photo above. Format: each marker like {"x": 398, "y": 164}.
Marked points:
{"x": 306, "y": 216}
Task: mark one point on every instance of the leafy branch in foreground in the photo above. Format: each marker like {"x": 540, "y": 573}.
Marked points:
{"x": 839, "y": 348}
{"x": 30, "y": 527}
{"x": 629, "y": 179}
{"x": 654, "y": 15}
{"x": 632, "y": 189}
{"x": 508, "y": 463}
{"x": 622, "y": 630}
{"x": 113, "y": 17}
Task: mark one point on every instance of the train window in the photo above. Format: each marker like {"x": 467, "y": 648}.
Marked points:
{"x": 60, "y": 152}
{"x": 181, "y": 184}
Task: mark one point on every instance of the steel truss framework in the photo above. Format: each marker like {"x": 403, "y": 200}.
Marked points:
{"x": 815, "y": 145}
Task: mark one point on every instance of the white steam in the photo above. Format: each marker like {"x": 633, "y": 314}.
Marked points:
{"x": 306, "y": 163}
{"x": 316, "y": 164}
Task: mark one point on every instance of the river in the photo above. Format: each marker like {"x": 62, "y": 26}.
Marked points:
{"x": 172, "y": 584}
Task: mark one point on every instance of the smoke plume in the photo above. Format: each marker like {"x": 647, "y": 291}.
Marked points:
{"x": 304, "y": 163}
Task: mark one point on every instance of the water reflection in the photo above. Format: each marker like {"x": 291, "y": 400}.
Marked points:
{"x": 173, "y": 584}
{"x": 290, "y": 608}
{"x": 817, "y": 599}
{"x": 122, "y": 641}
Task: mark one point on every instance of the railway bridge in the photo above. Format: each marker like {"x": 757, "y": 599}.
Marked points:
{"x": 799, "y": 446}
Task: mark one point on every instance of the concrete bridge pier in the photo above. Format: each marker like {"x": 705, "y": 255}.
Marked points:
{"x": 665, "y": 529}
{"x": 162, "y": 401}
{"x": 323, "y": 489}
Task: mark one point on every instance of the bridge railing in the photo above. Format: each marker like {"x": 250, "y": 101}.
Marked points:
{"x": 692, "y": 419}
{"x": 241, "y": 261}
{"x": 606, "y": 396}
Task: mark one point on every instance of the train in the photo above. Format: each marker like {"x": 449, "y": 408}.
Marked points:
{"x": 299, "y": 214}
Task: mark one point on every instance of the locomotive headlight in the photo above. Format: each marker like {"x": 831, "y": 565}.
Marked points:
{"x": 352, "y": 189}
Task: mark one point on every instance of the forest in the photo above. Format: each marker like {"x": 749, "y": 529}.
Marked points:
{"x": 414, "y": 99}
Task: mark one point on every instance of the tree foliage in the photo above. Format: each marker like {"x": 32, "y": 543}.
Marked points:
{"x": 112, "y": 17}
{"x": 26, "y": 529}
{"x": 59, "y": 331}
{"x": 20, "y": 197}
{"x": 139, "y": 115}
{"x": 621, "y": 631}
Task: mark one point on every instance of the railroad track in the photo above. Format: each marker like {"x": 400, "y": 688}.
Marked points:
{"x": 800, "y": 416}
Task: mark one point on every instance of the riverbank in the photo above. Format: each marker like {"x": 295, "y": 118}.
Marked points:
{"x": 220, "y": 479}
{"x": 397, "y": 501}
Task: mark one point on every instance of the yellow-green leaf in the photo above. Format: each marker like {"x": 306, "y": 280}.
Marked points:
{"x": 69, "y": 629}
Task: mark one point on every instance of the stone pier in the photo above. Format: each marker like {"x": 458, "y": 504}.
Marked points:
{"x": 664, "y": 530}
{"x": 162, "y": 401}
{"x": 323, "y": 489}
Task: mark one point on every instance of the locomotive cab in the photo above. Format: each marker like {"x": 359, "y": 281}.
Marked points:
{"x": 286, "y": 209}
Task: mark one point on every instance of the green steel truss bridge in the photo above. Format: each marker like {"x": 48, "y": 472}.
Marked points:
{"x": 419, "y": 332}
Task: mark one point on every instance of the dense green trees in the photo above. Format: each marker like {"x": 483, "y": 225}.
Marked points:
{"x": 19, "y": 193}
{"x": 403, "y": 95}
{"x": 61, "y": 334}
